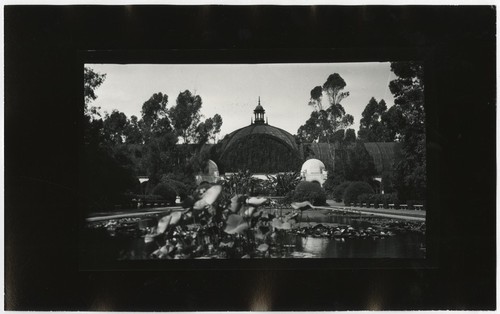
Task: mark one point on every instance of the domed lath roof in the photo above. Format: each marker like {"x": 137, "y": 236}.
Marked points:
{"x": 263, "y": 129}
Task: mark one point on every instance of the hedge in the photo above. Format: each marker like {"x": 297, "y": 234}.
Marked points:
{"x": 339, "y": 190}
{"x": 354, "y": 190}
{"x": 166, "y": 191}
{"x": 376, "y": 199}
{"x": 309, "y": 191}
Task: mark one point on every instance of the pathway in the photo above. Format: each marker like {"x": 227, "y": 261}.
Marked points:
{"x": 383, "y": 212}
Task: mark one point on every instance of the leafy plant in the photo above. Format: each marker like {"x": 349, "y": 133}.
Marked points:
{"x": 283, "y": 183}
{"x": 166, "y": 191}
{"x": 309, "y": 191}
{"x": 354, "y": 190}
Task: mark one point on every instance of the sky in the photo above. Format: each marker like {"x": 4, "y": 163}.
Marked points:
{"x": 233, "y": 90}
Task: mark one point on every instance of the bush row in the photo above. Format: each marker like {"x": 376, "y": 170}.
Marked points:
{"x": 376, "y": 199}
{"x": 384, "y": 200}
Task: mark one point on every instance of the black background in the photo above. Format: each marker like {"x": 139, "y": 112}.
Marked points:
{"x": 44, "y": 49}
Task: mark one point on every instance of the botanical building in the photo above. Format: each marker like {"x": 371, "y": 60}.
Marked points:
{"x": 265, "y": 149}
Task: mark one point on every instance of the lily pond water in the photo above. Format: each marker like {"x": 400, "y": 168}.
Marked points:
{"x": 313, "y": 235}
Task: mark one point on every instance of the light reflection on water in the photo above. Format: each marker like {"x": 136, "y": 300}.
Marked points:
{"x": 314, "y": 245}
{"x": 400, "y": 246}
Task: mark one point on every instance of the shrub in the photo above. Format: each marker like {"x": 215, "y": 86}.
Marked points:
{"x": 283, "y": 183}
{"x": 412, "y": 203}
{"x": 354, "y": 190}
{"x": 309, "y": 191}
{"x": 179, "y": 187}
{"x": 338, "y": 191}
{"x": 363, "y": 198}
{"x": 166, "y": 191}
{"x": 376, "y": 199}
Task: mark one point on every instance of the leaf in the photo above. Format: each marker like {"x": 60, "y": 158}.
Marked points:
{"x": 236, "y": 203}
{"x": 263, "y": 247}
{"x": 211, "y": 195}
{"x": 235, "y": 224}
{"x": 201, "y": 204}
{"x": 163, "y": 224}
{"x": 168, "y": 220}
{"x": 249, "y": 211}
{"x": 148, "y": 238}
{"x": 176, "y": 217}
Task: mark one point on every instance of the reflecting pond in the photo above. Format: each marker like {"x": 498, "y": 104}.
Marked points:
{"x": 313, "y": 237}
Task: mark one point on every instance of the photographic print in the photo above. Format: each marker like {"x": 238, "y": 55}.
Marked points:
{"x": 250, "y": 157}
{"x": 231, "y": 161}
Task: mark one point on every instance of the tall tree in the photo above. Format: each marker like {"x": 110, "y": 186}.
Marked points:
{"x": 393, "y": 122}
{"x": 106, "y": 171}
{"x": 158, "y": 136}
{"x": 186, "y": 115}
{"x": 316, "y": 98}
{"x": 333, "y": 89}
{"x": 408, "y": 91}
{"x": 325, "y": 121}
{"x": 115, "y": 125}
{"x": 208, "y": 129}
{"x": 91, "y": 81}
{"x": 154, "y": 116}
{"x": 217, "y": 124}
{"x": 350, "y": 136}
{"x": 132, "y": 132}
{"x": 371, "y": 128}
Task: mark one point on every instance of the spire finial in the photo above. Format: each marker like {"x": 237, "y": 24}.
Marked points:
{"x": 259, "y": 100}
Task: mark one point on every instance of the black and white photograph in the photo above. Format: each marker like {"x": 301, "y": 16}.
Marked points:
{"x": 249, "y": 157}
{"x": 245, "y": 161}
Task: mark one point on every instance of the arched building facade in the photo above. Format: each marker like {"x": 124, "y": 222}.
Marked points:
{"x": 265, "y": 149}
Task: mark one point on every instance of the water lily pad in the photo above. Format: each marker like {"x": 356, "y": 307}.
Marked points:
{"x": 257, "y": 201}
{"x": 263, "y": 247}
{"x": 164, "y": 251}
{"x": 276, "y": 223}
{"x": 226, "y": 244}
{"x": 302, "y": 205}
{"x": 302, "y": 255}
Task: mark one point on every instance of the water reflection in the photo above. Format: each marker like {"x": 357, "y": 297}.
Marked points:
{"x": 100, "y": 245}
{"x": 402, "y": 246}
{"x": 314, "y": 245}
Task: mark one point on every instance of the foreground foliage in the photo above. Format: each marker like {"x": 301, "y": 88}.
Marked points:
{"x": 245, "y": 227}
